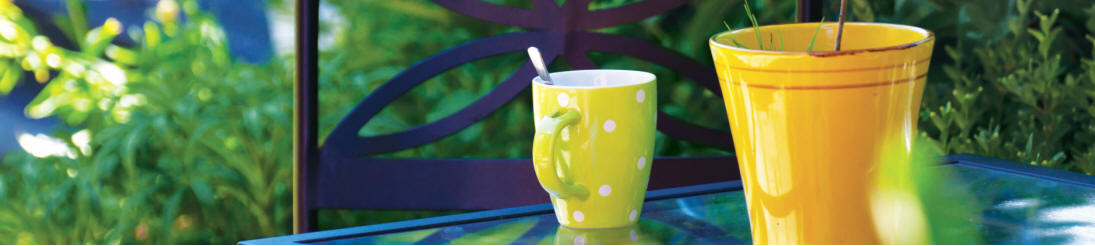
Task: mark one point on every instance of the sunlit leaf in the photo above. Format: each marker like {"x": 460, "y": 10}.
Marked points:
{"x": 10, "y": 77}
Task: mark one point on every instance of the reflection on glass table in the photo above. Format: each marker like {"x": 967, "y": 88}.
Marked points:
{"x": 1019, "y": 204}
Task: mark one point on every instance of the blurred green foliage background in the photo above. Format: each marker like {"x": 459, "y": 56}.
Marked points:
{"x": 175, "y": 141}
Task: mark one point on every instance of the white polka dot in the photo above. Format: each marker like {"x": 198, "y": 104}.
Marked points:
{"x": 564, "y": 99}
{"x": 642, "y": 162}
{"x": 640, "y": 96}
{"x": 580, "y": 240}
{"x": 634, "y": 236}
{"x": 610, "y": 125}
{"x": 605, "y": 190}
{"x": 579, "y": 216}
{"x": 634, "y": 215}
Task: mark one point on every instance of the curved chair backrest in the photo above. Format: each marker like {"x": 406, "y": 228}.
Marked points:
{"x": 341, "y": 173}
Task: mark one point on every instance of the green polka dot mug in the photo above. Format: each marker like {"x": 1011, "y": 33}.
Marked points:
{"x": 594, "y": 144}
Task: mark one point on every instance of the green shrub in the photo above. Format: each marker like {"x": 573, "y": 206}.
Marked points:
{"x": 1021, "y": 91}
{"x": 183, "y": 144}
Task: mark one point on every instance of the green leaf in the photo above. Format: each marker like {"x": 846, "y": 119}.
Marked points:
{"x": 170, "y": 212}
{"x": 1037, "y": 35}
{"x": 202, "y": 191}
{"x": 129, "y": 151}
{"x": 954, "y": 54}
{"x": 861, "y": 9}
{"x": 10, "y": 77}
{"x": 121, "y": 55}
{"x": 152, "y": 35}
{"x": 77, "y": 13}
{"x": 1030, "y": 142}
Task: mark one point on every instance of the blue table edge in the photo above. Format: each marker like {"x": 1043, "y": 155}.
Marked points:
{"x": 1041, "y": 172}
{"x": 661, "y": 194}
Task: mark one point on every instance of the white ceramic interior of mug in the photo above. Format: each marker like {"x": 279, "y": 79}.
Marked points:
{"x": 596, "y": 78}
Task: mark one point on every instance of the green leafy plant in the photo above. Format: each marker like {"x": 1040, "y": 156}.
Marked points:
{"x": 170, "y": 141}
{"x": 1013, "y": 96}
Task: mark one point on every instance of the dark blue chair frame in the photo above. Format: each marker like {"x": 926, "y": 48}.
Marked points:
{"x": 341, "y": 175}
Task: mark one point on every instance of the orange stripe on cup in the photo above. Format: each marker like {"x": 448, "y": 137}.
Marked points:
{"x": 827, "y": 71}
{"x": 892, "y": 82}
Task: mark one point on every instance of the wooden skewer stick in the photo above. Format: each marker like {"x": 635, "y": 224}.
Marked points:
{"x": 840, "y": 24}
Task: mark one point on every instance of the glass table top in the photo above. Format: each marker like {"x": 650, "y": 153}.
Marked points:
{"x": 1016, "y": 209}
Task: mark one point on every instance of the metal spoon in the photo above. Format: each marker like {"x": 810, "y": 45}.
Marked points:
{"x": 538, "y": 63}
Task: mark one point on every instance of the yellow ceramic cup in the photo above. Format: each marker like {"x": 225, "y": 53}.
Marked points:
{"x": 594, "y": 144}
{"x": 808, "y": 126}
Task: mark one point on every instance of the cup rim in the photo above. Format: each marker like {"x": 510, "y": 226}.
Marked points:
{"x": 642, "y": 77}
{"x": 929, "y": 35}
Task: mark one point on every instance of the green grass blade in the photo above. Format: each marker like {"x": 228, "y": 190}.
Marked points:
{"x": 739, "y": 44}
{"x": 756, "y": 27}
{"x": 732, "y": 36}
{"x": 780, "y": 32}
{"x": 816, "y": 31}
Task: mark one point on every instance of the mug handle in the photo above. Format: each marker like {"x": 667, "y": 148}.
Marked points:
{"x": 543, "y": 155}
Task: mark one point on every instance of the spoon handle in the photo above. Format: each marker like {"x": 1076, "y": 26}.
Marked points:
{"x": 538, "y": 63}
